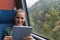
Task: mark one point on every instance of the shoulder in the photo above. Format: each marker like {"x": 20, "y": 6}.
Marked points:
{"x": 8, "y": 30}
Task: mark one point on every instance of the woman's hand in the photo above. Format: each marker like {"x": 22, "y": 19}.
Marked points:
{"x": 25, "y": 38}
{"x": 28, "y": 38}
{"x": 8, "y": 38}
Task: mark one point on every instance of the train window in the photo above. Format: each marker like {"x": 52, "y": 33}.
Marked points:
{"x": 44, "y": 17}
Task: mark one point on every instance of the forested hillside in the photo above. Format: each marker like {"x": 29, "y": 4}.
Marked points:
{"x": 45, "y": 18}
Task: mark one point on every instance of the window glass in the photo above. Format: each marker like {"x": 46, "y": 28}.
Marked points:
{"x": 45, "y": 17}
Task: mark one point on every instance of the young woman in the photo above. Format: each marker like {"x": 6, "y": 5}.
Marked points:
{"x": 19, "y": 21}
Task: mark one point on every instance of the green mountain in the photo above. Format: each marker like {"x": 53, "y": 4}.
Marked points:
{"x": 45, "y": 18}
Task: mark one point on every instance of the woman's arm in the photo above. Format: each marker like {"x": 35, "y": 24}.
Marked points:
{"x": 7, "y": 34}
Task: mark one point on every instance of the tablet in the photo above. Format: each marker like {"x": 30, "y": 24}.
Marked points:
{"x": 19, "y": 32}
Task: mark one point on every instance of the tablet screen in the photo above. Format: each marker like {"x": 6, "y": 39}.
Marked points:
{"x": 19, "y": 32}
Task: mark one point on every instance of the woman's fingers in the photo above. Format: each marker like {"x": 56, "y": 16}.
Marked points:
{"x": 8, "y": 38}
{"x": 28, "y": 38}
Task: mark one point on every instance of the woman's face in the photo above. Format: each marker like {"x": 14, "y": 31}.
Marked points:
{"x": 20, "y": 18}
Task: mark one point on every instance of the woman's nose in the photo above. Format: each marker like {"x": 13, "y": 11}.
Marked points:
{"x": 20, "y": 20}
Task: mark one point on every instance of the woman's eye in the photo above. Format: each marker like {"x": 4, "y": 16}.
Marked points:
{"x": 17, "y": 17}
{"x": 22, "y": 18}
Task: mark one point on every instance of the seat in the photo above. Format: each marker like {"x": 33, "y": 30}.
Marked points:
{"x": 6, "y": 20}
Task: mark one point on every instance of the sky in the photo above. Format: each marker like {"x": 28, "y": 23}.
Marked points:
{"x": 31, "y": 2}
